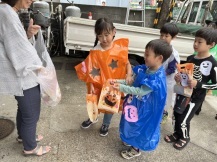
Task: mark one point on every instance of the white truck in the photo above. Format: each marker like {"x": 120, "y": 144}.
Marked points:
{"x": 79, "y": 35}
{"x": 194, "y": 14}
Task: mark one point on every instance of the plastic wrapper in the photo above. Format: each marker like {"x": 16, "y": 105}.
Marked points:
{"x": 186, "y": 72}
{"x": 109, "y": 98}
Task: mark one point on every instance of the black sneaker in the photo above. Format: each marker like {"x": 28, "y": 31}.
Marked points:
{"x": 87, "y": 123}
{"x": 103, "y": 130}
{"x": 197, "y": 112}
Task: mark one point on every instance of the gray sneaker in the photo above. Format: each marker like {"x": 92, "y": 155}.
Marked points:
{"x": 125, "y": 144}
{"x": 130, "y": 153}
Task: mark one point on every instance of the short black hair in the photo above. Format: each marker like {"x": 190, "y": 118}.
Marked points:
{"x": 10, "y": 2}
{"x": 160, "y": 47}
{"x": 170, "y": 28}
{"x": 212, "y": 24}
{"x": 207, "y": 33}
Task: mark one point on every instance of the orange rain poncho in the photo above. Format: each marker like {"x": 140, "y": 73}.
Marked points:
{"x": 102, "y": 65}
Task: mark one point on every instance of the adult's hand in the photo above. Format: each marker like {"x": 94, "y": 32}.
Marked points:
{"x": 32, "y": 29}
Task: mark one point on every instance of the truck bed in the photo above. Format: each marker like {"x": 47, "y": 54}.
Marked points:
{"x": 79, "y": 35}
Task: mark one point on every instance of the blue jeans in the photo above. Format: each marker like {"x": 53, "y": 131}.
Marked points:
{"x": 28, "y": 113}
{"x": 107, "y": 119}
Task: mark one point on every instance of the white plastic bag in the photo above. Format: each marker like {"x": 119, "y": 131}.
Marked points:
{"x": 50, "y": 91}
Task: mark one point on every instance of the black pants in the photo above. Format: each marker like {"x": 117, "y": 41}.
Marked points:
{"x": 199, "y": 109}
{"x": 28, "y": 113}
{"x": 182, "y": 121}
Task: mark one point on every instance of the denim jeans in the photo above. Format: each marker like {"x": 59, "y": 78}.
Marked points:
{"x": 28, "y": 113}
{"x": 107, "y": 119}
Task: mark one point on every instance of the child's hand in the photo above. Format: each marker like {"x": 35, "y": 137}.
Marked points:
{"x": 177, "y": 78}
{"x": 112, "y": 81}
{"x": 116, "y": 86}
{"x": 192, "y": 83}
{"x": 92, "y": 91}
{"x": 129, "y": 79}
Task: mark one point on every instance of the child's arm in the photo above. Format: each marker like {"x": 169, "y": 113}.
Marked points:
{"x": 140, "y": 91}
{"x": 213, "y": 77}
{"x": 213, "y": 85}
{"x": 171, "y": 67}
{"x": 121, "y": 81}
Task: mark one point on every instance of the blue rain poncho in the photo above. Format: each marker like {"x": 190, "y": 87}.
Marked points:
{"x": 141, "y": 117}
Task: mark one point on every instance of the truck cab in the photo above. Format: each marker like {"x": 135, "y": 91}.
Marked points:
{"x": 194, "y": 13}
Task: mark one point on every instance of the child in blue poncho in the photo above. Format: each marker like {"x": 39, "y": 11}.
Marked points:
{"x": 143, "y": 107}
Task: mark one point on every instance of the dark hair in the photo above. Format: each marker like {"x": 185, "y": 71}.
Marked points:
{"x": 160, "y": 47}
{"x": 10, "y": 2}
{"x": 207, "y": 33}
{"x": 212, "y": 24}
{"x": 102, "y": 24}
{"x": 170, "y": 28}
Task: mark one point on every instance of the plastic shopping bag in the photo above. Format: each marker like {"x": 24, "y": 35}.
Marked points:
{"x": 92, "y": 109}
{"x": 46, "y": 76}
{"x": 50, "y": 91}
{"x": 109, "y": 98}
{"x": 186, "y": 72}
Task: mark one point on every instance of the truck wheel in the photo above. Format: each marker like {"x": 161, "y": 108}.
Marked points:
{"x": 133, "y": 62}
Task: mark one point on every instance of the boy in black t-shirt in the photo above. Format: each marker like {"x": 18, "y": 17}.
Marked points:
{"x": 205, "y": 69}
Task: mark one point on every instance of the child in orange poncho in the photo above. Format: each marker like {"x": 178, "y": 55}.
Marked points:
{"x": 108, "y": 60}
